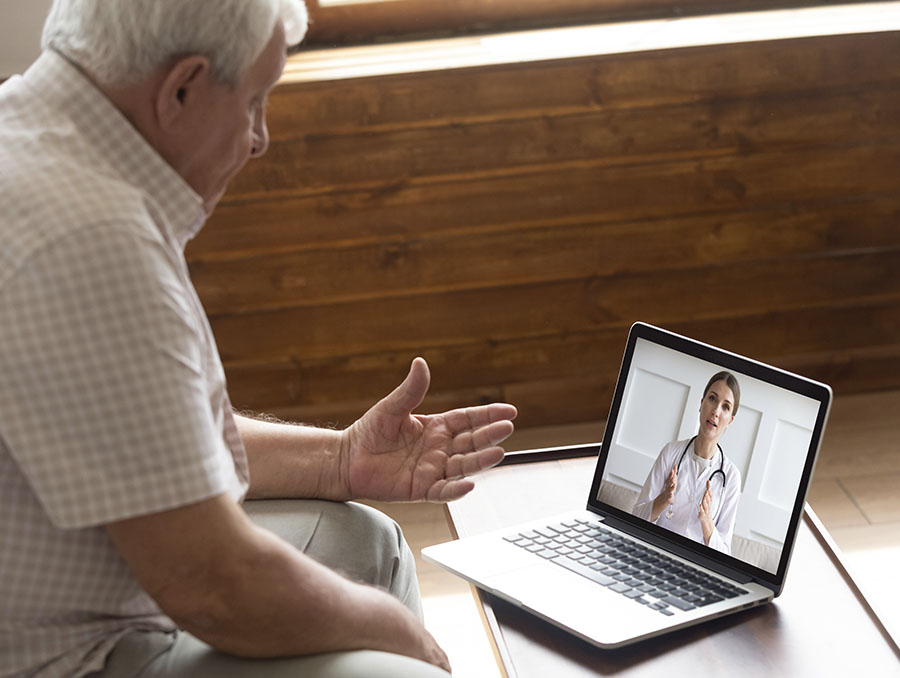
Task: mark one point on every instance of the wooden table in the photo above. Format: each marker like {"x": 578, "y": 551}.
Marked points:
{"x": 821, "y": 625}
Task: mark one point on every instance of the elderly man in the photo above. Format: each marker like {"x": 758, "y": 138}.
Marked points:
{"x": 126, "y": 549}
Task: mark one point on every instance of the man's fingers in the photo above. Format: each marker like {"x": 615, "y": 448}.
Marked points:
{"x": 484, "y": 437}
{"x": 449, "y": 490}
{"x": 460, "y": 465}
{"x": 473, "y": 418}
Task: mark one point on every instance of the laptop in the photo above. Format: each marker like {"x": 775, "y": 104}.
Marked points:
{"x": 655, "y": 549}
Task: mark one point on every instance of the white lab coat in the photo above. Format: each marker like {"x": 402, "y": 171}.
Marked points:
{"x": 692, "y": 477}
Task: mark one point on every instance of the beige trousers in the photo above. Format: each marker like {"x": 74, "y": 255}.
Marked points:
{"x": 359, "y": 542}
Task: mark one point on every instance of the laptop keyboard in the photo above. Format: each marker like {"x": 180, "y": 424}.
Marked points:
{"x": 627, "y": 567}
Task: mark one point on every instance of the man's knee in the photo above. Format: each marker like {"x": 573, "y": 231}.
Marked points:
{"x": 369, "y": 545}
{"x": 356, "y": 540}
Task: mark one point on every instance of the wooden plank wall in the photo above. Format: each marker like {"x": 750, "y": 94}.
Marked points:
{"x": 360, "y": 23}
{"x": 509, "y": 223}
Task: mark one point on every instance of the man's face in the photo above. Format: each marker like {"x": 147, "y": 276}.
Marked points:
{"x": 232, "y": 125}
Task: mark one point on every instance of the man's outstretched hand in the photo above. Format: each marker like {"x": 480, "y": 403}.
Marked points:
{"x": 391, "y": 454}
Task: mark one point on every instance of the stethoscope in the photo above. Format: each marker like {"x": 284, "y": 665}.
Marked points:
{"x": 720, "y": 471}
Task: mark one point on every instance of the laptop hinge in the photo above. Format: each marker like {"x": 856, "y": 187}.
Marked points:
{"x": 681, "y": 551}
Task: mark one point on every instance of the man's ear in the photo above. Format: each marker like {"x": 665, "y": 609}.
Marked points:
{"x": 182, "y": 85}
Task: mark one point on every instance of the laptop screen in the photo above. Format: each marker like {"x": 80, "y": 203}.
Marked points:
{"x": 709, "y": 448}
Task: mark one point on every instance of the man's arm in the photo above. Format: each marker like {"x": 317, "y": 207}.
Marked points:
{"x": 289, "y": 461}
{"x": 246, "y": 592}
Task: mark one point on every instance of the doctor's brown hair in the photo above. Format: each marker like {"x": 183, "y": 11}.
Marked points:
{"x": 732, "y": 383}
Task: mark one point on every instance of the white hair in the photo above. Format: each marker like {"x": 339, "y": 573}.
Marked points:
{"x": 120, "y": 41}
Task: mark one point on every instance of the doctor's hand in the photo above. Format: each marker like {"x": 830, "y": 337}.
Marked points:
{"x": 391, "y": 454}
{"x": 670, "y": 486}
{"x": 705, "y": 514}
{"x": 666, "y": 497}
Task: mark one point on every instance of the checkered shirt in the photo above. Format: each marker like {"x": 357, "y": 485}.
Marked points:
{"x": 112, "y": 395}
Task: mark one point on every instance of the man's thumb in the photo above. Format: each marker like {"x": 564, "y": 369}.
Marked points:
{"x": 410, "y": 394}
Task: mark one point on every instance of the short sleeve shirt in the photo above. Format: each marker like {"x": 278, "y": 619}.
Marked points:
{"x": 112, "y": 394}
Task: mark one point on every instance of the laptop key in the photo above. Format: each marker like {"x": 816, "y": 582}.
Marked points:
{"x": 709, "y": 600}
{"x": 583, "y": 570}
{"x": 678, "y": 602}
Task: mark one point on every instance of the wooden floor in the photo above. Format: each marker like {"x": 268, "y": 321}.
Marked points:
{"x": 854, "y": 492}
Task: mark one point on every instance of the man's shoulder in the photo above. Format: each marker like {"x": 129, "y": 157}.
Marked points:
{"x": 50, "y": 172}
{"x": 50, "y": 164}
{"x": 72, "y": 161}
{"x": 57, "y": 191}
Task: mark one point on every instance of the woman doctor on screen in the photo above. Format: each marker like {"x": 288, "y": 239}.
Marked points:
{"x": 693, "y": 488}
